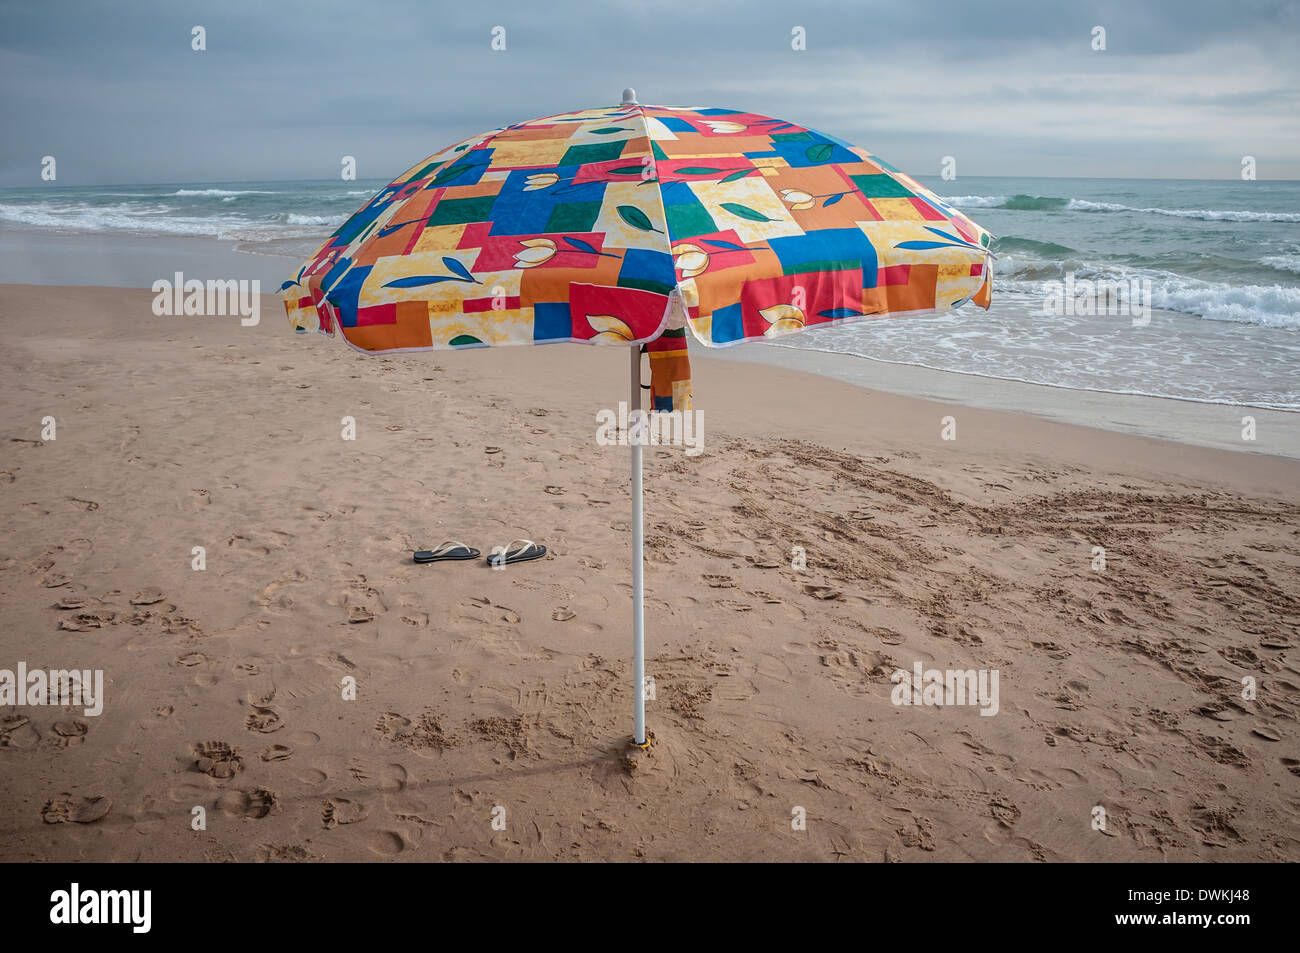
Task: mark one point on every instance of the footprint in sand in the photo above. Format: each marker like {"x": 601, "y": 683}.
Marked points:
{"x": 563, "y": 614}
{"x": 74, "y": 809}
{"x": 85, "y": 621}
{"x": 822, "y": 592}
{"x": 147, "y": 597}
{"x": 78, "y": 548}
{"x": 734, "y": 605}
{"x": 1006, "y": 813}
{"x": 386, "y": 843}
{"x": 1242, "y": 656}
{"x": 483, "y": 610}
{"x": 391, "y": 723}
{"x": 1215, "y": 826}
{"x": 245, "y": 544}
{"x": 1053, "y": 650}
{"x": 255, "y": 803}
{"x": 260, "y": 697}
{"x": 388, "y": 777}
{"x": 16, "y": 731}
{"x": 313, "y": 776}
{"x": 341, "y": 810}
{"x": 217, "y": 759}
{"x": 285, "y": 854}
{"x": 1220, "y": 711}
{"x": 337, "y": 660}
{"x": 268, "y": 594}
{"x": 263, "y": 720}
{"x": 68, "y": 733}
{"x": 1218, "y": 750}
{"x": 277, "y": 753}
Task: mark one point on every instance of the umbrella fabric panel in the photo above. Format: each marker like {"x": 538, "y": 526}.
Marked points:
{"x": 777, "y": 227}
{"x": 545, "y": 231}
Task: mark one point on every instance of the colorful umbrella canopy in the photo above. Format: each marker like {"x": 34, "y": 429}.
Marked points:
{"x": 627, "y": 225}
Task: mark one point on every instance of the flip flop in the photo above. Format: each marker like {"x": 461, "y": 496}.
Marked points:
{"x": 529, "y": 550}
{"x": 447, "y": 552}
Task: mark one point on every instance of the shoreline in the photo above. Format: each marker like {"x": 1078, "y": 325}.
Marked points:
{"x": 129, "y": 260}
{"x": 1195, "y": 423}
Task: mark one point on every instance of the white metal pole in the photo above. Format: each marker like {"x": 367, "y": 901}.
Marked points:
{"x": 638, "y": 533}
{"x": 638, "y": 538}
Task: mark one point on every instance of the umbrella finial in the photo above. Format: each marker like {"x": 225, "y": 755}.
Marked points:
{"x": 629, "y": 97}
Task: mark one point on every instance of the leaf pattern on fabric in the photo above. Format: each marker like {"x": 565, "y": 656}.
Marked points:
{"x": 610, "y": 328}
{"x": 745, "y": 212}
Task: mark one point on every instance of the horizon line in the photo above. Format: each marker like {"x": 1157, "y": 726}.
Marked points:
{"x": 217, "y": 182}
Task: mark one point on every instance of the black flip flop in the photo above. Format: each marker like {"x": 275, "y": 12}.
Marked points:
{"x": 448, "y": 552}
{"x": 529, "y": 550}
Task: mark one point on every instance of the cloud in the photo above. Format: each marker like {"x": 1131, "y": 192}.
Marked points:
{"x": 284, "y": 90}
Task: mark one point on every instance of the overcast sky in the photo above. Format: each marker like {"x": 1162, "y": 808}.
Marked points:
{"x": 113, "y": 90}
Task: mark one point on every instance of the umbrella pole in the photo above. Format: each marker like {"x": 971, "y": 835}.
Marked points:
{"x": 638, "y": 541}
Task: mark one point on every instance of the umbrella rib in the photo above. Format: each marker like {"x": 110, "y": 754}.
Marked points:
{"x": 659, "y": 186}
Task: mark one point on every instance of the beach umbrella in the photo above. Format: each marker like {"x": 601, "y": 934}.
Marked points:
{"x": 642, "y": 227}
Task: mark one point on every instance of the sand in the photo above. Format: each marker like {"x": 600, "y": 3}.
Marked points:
{"x": 492, "y": 709}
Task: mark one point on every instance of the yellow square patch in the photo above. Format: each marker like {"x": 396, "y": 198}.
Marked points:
{"x": 756, "y": 212}
{"x": 527, "y": 152}
{"x": 439, "y": 238}
{"x": 626, "y": 203}
{"x": 898, "y": 210}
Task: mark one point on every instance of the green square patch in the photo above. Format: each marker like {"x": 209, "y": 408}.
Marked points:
{"x": 645, "y": 284}
{"x": 593, "y": 152}
{"x": 463, "y": 211}
{"x": 791, "y": 137}
{"x": 881, "y": 186}
{"x": 687, "y": 219}
{"x": 573, "y": 217}
{"x": 825, "y": 265}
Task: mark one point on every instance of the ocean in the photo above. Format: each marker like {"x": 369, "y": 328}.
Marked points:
{"x": 1222, "y": 259}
